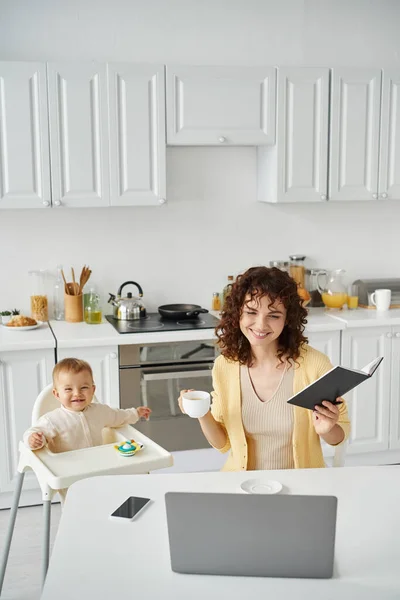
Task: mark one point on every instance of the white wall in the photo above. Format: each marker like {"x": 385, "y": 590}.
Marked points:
{"x": 212, "y": 225}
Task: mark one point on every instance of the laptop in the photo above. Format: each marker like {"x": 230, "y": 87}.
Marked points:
{"x": 251, "y": 535}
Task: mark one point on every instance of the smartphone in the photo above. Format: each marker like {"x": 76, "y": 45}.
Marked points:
{"x": 130, "y": 508}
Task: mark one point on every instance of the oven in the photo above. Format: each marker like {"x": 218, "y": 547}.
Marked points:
{"x": 153, "y": 374}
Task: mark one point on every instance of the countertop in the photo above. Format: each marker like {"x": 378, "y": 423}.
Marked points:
{"x": 318, "y": 320}
{"x": 12, "y": 339}
{"x": 78, "y": 335}
{"x": 365, "y": 317}
{"x": 75, "y": 335}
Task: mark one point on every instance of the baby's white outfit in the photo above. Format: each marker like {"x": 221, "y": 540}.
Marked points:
{"x": 66, "y": 430}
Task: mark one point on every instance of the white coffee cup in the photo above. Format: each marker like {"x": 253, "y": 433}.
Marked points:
{"x": 381, "y": 299}
{"x": 196, "y": 404}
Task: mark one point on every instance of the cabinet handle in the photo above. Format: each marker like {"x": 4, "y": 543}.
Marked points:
{"x": 389, "y": 335}
{"x": 57, "y": 203}
{"x": 221, "y": 139}
{"x": 323, "y": 197}
{"x": 162, "y": 201}
{"x": 46, "y": 203}
{"x": 113, "y": 355}
{"x": 384, "y": 195}
{"x": 374, "y": 196}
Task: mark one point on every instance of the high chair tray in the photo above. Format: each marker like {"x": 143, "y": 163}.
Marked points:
{"x": 66, "y": 467}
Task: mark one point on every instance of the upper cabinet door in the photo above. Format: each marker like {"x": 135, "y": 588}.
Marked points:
{"x": 220, "y": 105}
{"x": 24, "y": 140}
{"x": 389, "y": 165}
{"x": 78, "y": 134}
{"x": 137, "y": 134}
{"x": 302, "y": 134}
{"x": 354, "y": 142}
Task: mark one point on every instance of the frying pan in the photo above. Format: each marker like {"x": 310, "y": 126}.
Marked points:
{"x": 180, "y": 311}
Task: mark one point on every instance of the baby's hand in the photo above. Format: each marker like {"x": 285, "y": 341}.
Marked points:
{"x": 36, "y": 441}
{"x": 144, "y": 411}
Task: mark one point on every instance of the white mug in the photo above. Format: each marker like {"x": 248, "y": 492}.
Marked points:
{"x": 381, "y": 299}
{"x": 196, "y": 404}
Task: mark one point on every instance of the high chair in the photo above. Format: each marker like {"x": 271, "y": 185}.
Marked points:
{"x": 59, "y": 471}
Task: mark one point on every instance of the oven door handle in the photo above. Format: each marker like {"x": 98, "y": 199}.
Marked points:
{"x": 175, "y": 375}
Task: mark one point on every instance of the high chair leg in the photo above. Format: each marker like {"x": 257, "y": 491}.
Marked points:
{"x": 11, "y": 525}
{"x": 46, "y": 538}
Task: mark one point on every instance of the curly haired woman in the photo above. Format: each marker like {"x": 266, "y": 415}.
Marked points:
{"x": 264, "y": 360}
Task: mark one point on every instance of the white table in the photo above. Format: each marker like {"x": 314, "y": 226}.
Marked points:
{"x": 96, "y": 557}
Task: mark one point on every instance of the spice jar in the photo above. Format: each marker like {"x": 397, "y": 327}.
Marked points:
{"x": 216, "y": 301}
{"x": 39, "y": 302}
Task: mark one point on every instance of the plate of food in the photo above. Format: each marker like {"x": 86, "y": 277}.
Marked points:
{"x": 22, "y": 323}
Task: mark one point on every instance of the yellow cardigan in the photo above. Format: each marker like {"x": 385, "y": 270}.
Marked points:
{"x": 227, "y": 410}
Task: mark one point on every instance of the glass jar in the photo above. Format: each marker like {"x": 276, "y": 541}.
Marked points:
{"x": 283, "y": 265}
{"x": 312, "y": 287}
{"x": 297, "y": 269}
{"x": 58, "y": 295}
{"x": 39, "y": 301}
{"x": 227, "y": 289}
{"x": 216, "y": 301}
{"x": 93, "y": 314}
{"x": 334, "y": 290}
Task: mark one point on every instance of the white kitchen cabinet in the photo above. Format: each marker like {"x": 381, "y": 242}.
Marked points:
{"x": 104, "y": 363}
{"x": 327, "y": 342}
{"x": 354, "y": 133}
{"x": 137, "y": 134}
{"x": 395, "y": 391}
{"x": 24, "y": 139}
{"x": 220, "y": 105}
{"x": 23, "y": 375}
{"x": 389, "y": 163}
{"x": 78, "y": 134}
{"x": 296, "y": 168}
{"x": 369, "y": 404}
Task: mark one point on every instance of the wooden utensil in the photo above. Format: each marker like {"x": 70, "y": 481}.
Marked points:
{"x": 73, "y": 288}
{"x": 73, "y": 275}
{"x": 81, "y": 279}
{"x": 84, "y": 277}
{"x": 65, "y": 282}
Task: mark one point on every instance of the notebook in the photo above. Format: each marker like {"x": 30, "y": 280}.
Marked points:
{"x": 336, "y": 382}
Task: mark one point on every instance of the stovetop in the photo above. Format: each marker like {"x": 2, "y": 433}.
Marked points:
{"x": 154, "y": 322}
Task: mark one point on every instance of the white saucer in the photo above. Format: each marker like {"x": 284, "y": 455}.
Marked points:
{"x": 261, "y": 486}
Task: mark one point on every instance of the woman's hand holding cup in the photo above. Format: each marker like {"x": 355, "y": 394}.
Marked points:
{"x": 194, "y": 403}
